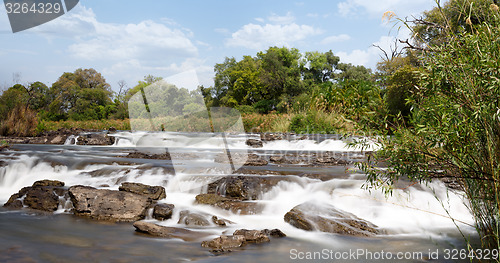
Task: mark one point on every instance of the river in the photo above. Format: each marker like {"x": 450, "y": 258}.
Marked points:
{"x": 412, "y": 218}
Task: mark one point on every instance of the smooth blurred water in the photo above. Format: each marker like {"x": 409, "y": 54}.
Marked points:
{"x": 413, "y": 218}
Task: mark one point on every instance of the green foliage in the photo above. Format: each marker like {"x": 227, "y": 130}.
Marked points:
{"x": 79, "y": 96}
{"x": 264, "y": 106}
{"x": 456, "y": 125}
{"x": 400, "y": 87}
{"x": 442, "y": 23}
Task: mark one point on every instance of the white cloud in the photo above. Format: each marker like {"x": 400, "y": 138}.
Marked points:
{"x": 281, "y": 20}
{"x": 335, "y": 39}
{"x": 259, "y": 37}
{"x": 94, "y": 40}
{"x": 279, "y": 31}
{"x": 370, "y": 56}
{"x": 402, "y": 8}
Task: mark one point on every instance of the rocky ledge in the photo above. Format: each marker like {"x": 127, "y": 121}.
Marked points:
{"x": 85, "y": 137}
{"x": 238, "y": 194}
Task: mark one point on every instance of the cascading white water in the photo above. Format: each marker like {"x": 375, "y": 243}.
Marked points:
{"x": 412, "y": 211}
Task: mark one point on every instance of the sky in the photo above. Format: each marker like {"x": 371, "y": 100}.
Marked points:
{"x": 127, "y": 40}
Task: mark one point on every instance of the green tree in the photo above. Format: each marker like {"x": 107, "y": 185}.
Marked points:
{"x": 455, "y": 129}
{"x": 79, "y": 96}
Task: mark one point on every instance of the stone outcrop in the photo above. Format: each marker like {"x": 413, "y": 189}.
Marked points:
{"x": 163, "y": 211}
{"x": 153, "y": 192}
{"x": 110, "y": 205}
{"x": 42, "y": 195}
{"x": 326, "y": 218}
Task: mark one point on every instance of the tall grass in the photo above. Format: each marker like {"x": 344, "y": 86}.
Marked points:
{"x": 21, "y": 121}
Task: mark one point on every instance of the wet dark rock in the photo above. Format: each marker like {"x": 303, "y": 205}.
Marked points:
{"x": 141, "y": 155}
{"x": 254, "y": 143}
{"x": 109, "y": 205}
{"x": 43, "y": 195}
{"x": 235, "y": 206}
{"x": 245, "y": 187}
{"x": 168, "y": 232}
{"x": 153, "y": 192}
{"x": 95, "y": 139}
{"x": 112, "y": 129}
{"x": 326, "y": 218}
{"x": 163, "y": 211}
{"x": 223, "y": 243}
{"x": 193, "y": 219}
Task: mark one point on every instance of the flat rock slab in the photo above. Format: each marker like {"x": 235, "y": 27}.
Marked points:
{"x": 109, "y": 205}
{"x": 153, "y": 192}
{"x": 169, "y": 232}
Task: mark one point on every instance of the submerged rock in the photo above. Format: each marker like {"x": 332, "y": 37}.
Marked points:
{"x": 163, "y": 211}
{"x": 193, "y": 219}
{"x": 153, "y": 192}
{"x": 110, "y": 205}
{"x": 326, "y": 218}
{"x": 168, "y": 232}
{"x": 42, "y": 195}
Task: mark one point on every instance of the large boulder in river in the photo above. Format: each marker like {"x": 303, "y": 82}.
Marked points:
{"x": 163, "y": 211}
{"x": 313, "y": 217}
{"x": 245, "y": 187}
{"x": 110, "y": 205}
{"x": 153, "y": 192}
{"x": 42, "y": 195}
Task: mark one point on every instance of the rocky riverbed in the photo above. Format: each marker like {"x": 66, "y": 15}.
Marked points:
{"x": 282, "y": 194}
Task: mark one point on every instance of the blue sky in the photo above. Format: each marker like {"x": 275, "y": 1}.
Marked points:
{"x": 126, "y": 40}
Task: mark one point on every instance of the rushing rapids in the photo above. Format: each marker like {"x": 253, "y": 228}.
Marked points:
{"x": 281, "y": 175}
